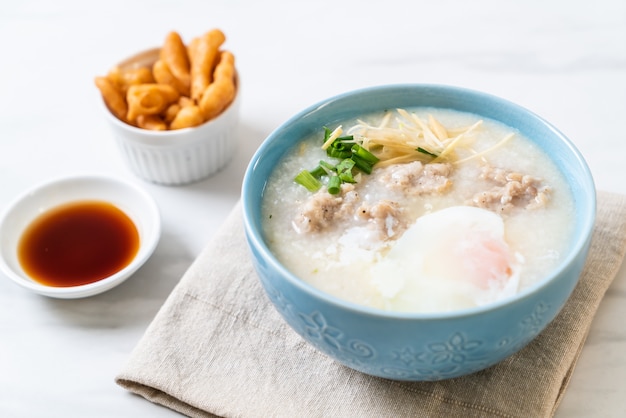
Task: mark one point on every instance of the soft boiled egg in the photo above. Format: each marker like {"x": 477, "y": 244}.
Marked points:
{"x": 451, "y": 259}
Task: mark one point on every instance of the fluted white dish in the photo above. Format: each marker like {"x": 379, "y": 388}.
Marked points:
{"x": 181, "y": 156}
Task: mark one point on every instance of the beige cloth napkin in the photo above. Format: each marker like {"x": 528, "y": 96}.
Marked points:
{"x": 217, "y": 347}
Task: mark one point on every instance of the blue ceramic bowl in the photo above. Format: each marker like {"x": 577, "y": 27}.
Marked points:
{"x": 411, "y": 346}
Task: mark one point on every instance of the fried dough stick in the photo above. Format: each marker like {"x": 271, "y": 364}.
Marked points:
{"x": 151, "y": 122}
{"x": 163, "y": 75}
{"x": 203, "y": 53}
{"x": 174, "y": 54}
{"x": 187, "y": 117}
{"x": 221, "y": 91}
{"x": 149, "y": 99}
{"x": 113, "y": 97}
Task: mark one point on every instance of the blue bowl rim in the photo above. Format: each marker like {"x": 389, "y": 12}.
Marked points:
{"x": 255, "y": 236}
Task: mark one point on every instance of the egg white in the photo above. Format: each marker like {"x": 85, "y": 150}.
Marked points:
{"x": 454, "y": 258}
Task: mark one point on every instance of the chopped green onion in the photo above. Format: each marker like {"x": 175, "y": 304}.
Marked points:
{"x": 364, "y": 154}
{"x": 330, "y": 137}
{"x": 307, "y": 180}
{"x": 318, "y": 172}
{"x": 327, "y": 133}
{"x": 334, "y": 184}
{"x": 340, "y": 147}
{"x": 361, "y": 164}
{"x": 423, "y": 151}
{"x": 327, "y": 166}
{"x": 340, "y": 151}
{"x": 351, "y": 155}
{"x": 344, "y": 170}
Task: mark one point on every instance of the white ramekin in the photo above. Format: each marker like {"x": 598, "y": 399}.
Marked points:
{"x": 178, "y": 156}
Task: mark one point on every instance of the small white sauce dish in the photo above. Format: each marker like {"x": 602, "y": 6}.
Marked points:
{"x": 137, "y": 204}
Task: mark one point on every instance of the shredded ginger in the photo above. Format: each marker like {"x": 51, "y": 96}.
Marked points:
{"x": 405, "y": 137}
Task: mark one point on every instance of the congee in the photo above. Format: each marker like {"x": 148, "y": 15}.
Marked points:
{"x": 418, "y": 210}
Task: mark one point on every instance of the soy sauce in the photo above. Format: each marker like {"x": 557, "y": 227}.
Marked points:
{"x": 78, "y": 243}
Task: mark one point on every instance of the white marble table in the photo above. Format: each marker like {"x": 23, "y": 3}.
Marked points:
{"x": 564, "y": 60}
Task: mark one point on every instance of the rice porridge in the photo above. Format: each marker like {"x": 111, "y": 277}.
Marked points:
{"x": 418, "y": 210}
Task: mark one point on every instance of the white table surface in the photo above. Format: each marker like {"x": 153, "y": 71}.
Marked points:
{"x": 565, "y": 60}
